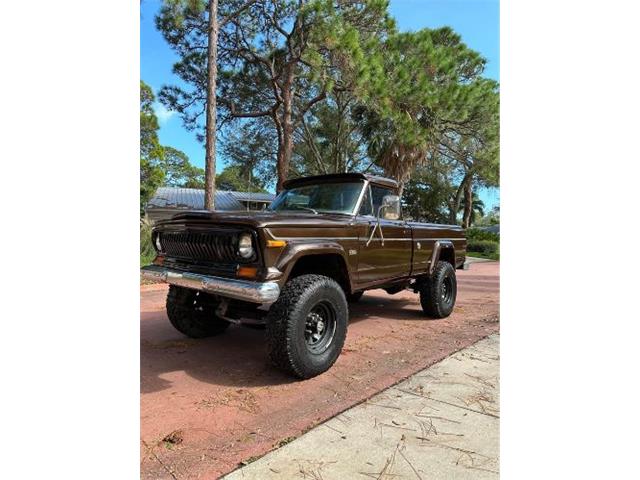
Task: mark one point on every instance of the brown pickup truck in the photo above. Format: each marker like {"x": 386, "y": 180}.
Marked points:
{"x": 294, "y": 268}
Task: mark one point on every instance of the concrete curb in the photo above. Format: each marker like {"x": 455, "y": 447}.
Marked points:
{"x": 442, "y": 422}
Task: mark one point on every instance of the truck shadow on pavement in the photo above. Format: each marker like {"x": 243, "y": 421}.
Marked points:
{"x": 239, "y": 356}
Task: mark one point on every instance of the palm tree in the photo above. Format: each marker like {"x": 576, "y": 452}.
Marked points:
{"x": 477, "y": 208}
{"x": 387, "y": 147}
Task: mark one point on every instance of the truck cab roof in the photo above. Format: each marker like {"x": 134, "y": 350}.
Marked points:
{"x": 340, "y": 177}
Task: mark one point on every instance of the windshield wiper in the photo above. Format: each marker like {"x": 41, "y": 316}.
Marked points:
{"x": 307, "y": 208}
{"x": 294, "y": 207}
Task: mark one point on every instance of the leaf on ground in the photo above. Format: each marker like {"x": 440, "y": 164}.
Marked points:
{"x": 174, "y": 438}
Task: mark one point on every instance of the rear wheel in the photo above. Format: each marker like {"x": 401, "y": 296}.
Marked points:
{"x": 307, "y": 326}
{"x": 192, "y": 313}
{"x": 438, "y": 292}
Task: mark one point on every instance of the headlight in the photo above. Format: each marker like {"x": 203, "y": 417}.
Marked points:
{"x": 245, "y": 246}
{"x": 158, "y": 244}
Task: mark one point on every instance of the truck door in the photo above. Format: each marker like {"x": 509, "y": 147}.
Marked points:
{"x": 380, "y": 259}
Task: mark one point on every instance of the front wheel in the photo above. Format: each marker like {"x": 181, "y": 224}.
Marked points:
{"x": 438, "y": 292}
{"x": 192, "y": 313}
{"x": 307, "y": 326}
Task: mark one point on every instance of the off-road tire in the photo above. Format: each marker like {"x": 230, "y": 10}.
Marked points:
{"x": 438, "y": 292}
{"x": 192, "y": 313}
{"x": 287, "y": 321}
{"x": 354, "y": 297}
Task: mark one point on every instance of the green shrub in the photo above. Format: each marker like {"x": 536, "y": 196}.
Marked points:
{"x": 147, "y": 252}
{"x": 486, "y": 247}
{"x": 477, "y": 234}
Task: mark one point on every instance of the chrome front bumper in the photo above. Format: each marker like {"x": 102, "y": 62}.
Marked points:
{"x": 256, "y": 292}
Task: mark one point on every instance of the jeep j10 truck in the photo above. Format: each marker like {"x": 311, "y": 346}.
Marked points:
{"x": 295, "y": 267}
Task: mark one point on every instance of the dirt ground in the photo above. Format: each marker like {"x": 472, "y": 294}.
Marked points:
{"x": 208, "y": 405}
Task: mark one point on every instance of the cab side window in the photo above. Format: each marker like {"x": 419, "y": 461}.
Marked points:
{"x": 365, "y": 208}
{"x": 377, "y": 194}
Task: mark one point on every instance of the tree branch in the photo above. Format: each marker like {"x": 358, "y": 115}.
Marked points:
{"x": 252, "y": 114}
{"x": 314, "y": 149}
{"x": 321, "y": 96}
{"x": 232, "y": 16}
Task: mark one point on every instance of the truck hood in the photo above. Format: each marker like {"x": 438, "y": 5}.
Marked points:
{"x": 256, "y": 219}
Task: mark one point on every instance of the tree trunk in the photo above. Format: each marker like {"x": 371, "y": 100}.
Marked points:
{"x": 285, "y": 149}
{"x": 284, "y": 156}
{"x": 210, "y": 145}
{"x": 468, "y": 204}
{"x": 454, "y": 206}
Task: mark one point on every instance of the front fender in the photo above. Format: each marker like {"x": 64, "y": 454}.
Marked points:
{"x": 295, "y": 250}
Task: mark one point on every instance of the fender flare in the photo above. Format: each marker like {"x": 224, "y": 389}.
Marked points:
{"x": 438, "y": 247}
{"x": 297, "y": 250}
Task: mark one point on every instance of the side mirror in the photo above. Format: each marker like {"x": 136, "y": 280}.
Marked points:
{"x": 390, "y": 208}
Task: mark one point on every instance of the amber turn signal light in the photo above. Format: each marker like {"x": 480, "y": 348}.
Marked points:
{"x": 276, "y": 243}
{"x": 247, "y": 272}
{"x": 159, "y": 260}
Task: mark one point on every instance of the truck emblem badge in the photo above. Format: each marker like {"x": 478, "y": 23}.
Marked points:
{"x": 352, "y": 252}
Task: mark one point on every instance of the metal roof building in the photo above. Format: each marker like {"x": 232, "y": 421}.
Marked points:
{"x": 167, "y": 201}
{"x": 491, "y": 228}
{"x": 244, "y": 197}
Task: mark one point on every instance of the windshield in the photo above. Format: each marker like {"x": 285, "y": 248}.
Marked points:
{"x": 339, "y": 197}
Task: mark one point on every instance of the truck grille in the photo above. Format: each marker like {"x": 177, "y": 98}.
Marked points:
{"x": 217, "y": 247}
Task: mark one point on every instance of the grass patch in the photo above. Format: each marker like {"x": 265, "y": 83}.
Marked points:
{"x": 147, "y": 252}
{"x": 249, "y": 460}
{"x": 146, "y": 259}
{"x": 488, "y": 256}
{"x": 284, "y": 441}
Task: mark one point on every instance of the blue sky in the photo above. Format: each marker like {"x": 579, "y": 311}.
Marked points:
{"x": 477, "y": 21}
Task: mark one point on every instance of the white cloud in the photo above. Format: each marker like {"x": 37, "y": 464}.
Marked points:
{"x": 162, "y": 112}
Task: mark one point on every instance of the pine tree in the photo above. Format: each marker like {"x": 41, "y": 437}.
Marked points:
{"x": 151, "y": 152}
{"x": 276, "y": 59}
{"x": 426, "y": 90}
